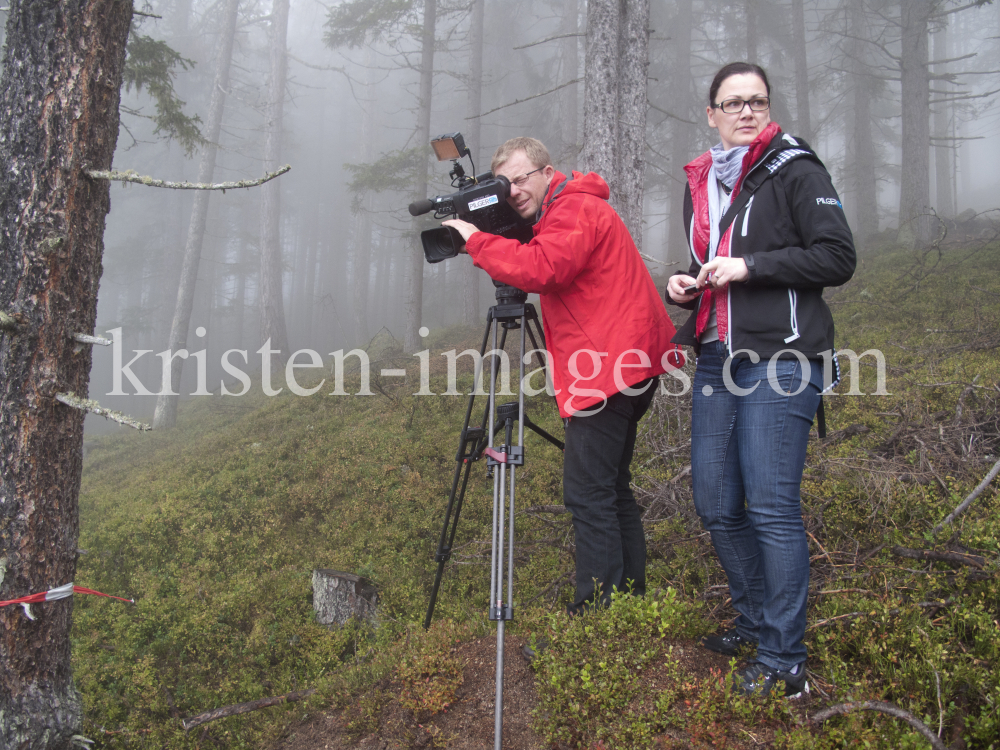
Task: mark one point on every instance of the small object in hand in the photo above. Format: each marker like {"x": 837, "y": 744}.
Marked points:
{"x": 692, "y": 289}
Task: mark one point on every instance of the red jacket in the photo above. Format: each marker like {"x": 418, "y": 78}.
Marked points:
{"x": 596, "y": 293}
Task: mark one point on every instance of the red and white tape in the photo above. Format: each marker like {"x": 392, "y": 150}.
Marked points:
{"x": 60, "y": 592}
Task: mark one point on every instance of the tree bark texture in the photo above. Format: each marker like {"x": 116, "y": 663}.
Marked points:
{"x": 614, "y": 123}
{"x": 914, "y": 187}
{"x": 62, "y": 74}
{"x": 414, "y": 263}
{"x": 272, "y": 305}
{"x": 474, "y": 106}
{"x": 861, "y": 146}
{"x": 803, "y": 120}
{"x": 684, "y": 107}
{"x": 165, "y": 414}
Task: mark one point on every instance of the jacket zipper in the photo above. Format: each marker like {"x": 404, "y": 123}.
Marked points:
{"x": 793, "y": 303}
{"x": 746, "y": 216}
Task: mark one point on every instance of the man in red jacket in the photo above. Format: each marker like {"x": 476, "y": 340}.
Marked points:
{"x": 608, "y": 337}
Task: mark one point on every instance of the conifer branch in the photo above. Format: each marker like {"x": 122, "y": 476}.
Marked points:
{"x": 89, "y": 405}
{"x": 131, "y": 176}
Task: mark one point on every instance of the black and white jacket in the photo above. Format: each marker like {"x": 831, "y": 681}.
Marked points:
{"x": 794, "y": 237}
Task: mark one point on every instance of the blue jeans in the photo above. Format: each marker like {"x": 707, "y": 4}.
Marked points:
{"x": 747, "y": 455}
{"x": 597, "y": 490}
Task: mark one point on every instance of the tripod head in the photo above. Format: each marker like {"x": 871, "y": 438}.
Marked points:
{"x": 509, "y": 295}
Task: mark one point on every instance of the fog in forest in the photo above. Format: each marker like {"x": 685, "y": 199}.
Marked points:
{"x": 351, "y": 120}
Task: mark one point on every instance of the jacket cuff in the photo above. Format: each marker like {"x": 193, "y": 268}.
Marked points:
{"x": 751, "y": 267}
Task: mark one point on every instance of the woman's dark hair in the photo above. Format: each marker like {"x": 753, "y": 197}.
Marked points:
{"x": 735, "y": 69}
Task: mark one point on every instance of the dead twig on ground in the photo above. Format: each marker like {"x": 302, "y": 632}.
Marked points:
{"x": 886, "y": 708}
{"x": 974, "y": 561}
{"x": 242, "y": 708}
{"x": 964, "y": 505}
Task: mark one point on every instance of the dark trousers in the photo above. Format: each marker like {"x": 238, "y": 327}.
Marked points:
{"x": 610, "y": 542}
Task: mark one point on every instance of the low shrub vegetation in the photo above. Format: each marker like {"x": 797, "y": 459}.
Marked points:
{"x": 215, "y": 526}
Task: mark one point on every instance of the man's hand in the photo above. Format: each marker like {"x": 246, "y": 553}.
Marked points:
{"x": 723, "y": 272}
{"x": 464, "y": 228}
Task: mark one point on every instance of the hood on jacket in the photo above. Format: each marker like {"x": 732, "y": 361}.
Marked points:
{"x": 590, "y": 183}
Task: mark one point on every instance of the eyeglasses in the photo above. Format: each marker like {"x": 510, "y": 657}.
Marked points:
{"x": 735, "y": 106}
{"x": 523, "y": 179}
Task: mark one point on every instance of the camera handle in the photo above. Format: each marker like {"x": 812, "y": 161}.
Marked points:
{"x": 511, "y": 313}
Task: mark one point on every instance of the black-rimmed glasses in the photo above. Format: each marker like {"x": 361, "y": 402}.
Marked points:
{"x": 735, "y": 106}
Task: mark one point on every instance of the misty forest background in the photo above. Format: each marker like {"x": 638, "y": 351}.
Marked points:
{"x": 888, "y": 93}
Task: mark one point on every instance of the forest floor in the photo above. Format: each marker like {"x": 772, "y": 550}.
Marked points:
{"x": 215, "y": 526}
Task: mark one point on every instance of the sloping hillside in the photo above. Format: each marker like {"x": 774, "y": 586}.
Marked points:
{"x": 216, "y": 526}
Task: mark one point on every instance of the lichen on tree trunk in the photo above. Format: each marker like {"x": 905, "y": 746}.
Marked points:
{"x": 62, "y": 74}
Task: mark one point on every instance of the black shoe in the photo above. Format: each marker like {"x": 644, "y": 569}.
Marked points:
{"x": 727, "y": 642}
{"x": 530, "y": 653}
{"x": 760, "y": 679}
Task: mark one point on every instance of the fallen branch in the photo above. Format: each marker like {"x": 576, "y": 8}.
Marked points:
{"x": 554, "y": 509}
{"x": 242, "y": 708}
{"x": 89, "y": 405}
{"x": 130, "y": 176}
{"x": 963, "y": 506}
{"x": 974, "y": 561}
{"x": 885, "y": 708}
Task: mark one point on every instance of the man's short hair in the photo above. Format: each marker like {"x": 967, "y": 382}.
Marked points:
{"x": 534, "y": 149}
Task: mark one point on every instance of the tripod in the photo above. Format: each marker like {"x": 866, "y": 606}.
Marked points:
{"x": 511, "y": 313}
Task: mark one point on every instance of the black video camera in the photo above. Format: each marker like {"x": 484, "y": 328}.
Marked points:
{"x": 480, "y": 200}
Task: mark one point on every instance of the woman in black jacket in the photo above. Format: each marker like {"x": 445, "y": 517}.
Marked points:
{"x": 767, "y": 233}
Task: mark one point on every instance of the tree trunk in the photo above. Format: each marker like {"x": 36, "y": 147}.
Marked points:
{"x": 803, "y": 119}
{"x": 630, "y": 153}
{"x": 62, "y": 74}
{"x": 414, "y": 263}
{"x": 272, "y": 306}
{"x": 683, "y": 106}
{"x": 165, "y": 414}
{"x": 944, "y": 148}
{"x": 473, "y": 107}
{"x": 861, "y": 148}
{"x": 601, "y": 81}
{"x": 569, "y": 96}
{"x": 750, "y": 13}
{"x": 914, "y": 188}
{"x": 614, "y": 125}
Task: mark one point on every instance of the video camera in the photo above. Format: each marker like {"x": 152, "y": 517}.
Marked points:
{"x": 480, "y": 200}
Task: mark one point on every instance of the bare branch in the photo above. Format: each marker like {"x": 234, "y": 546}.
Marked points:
{"x": 885, "y": 708}
{"x": 963, "y": 506}
{"x": 548, "y": 39}
{"x": 242, "y": 708}
{"x": 130, "y": 176}
{"x": 89, "y": 405}
{"x": 526, "y": 99}
{"x": 95, "y": 340}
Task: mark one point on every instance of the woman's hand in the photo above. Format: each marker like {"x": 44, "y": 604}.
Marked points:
{"x": 464, "y": 228}
{"x": 676, "y": 285}
{"x": 723, "y": 271}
